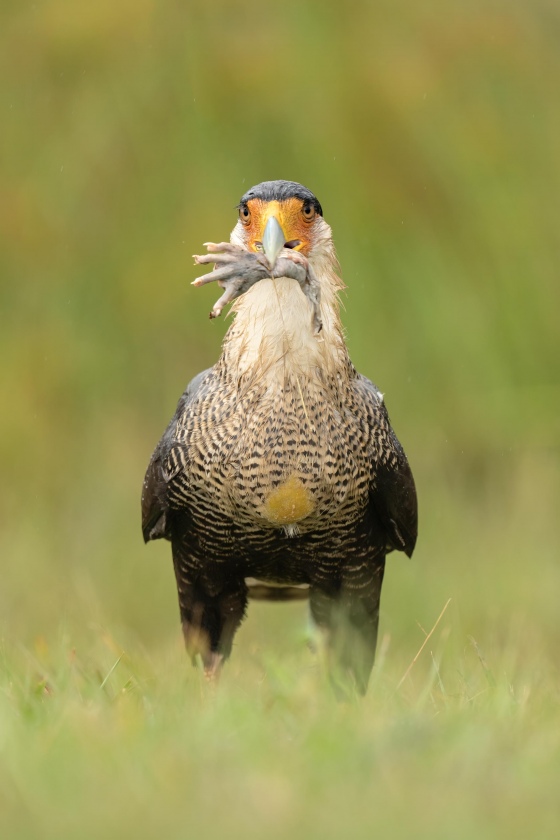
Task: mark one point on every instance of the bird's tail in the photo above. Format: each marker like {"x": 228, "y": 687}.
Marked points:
{"x": 259, "y": 590}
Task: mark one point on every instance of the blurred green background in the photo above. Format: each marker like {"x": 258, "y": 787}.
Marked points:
{"x": 430, "y": 133}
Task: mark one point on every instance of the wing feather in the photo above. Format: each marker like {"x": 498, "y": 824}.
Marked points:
{"x": 155, "y": 507}
{"x": 393, "y": 493}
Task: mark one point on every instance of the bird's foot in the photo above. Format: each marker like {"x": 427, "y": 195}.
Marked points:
{"x": 236, "y": 270}
{"x": 212, "y": 663}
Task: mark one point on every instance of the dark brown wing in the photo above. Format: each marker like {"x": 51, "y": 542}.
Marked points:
{"x": 393, "y": 492}
{"x": 155, "y": 508}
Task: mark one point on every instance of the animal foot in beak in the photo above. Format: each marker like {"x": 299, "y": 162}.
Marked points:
{"x": 236, "y": 270}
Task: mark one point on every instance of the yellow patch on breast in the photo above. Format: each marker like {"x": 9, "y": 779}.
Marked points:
{"x": 289, "y": 503}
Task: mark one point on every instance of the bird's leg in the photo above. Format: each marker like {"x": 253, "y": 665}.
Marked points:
{"x": 209, "y": 623}
{"x": 348, "y": 619}
{"x": 212, "y": 665}
{"x": 237, "y": 269}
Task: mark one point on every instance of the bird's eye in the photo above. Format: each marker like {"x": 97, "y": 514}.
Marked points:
{"x": 245, "y": 214}
{"x": 308, "y": 212}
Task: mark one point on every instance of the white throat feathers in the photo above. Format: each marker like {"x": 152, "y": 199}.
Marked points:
{"x": 273, "y": 334}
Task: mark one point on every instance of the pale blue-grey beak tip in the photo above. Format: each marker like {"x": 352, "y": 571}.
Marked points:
{"x": 273, "y": 240}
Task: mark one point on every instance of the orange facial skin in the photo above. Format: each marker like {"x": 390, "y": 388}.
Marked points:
{"x": 296, "y": 217}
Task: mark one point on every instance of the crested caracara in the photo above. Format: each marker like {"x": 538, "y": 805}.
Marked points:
{"x": 279, "y": 475}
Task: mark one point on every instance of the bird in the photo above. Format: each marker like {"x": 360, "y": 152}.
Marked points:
{"x": 279, "y": 476}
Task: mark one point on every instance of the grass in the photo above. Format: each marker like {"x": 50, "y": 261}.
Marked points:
{"x": 113, "y": 740}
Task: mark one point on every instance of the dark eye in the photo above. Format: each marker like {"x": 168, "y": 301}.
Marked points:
{"x": 245, "y": 214}
{"x": 308, "y": 212}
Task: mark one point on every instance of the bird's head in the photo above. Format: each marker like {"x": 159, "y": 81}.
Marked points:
{"x": 280, "y": 327}
{"x": 282, "y": 214}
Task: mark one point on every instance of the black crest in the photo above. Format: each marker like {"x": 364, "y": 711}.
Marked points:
{"x": 280, "y": 191}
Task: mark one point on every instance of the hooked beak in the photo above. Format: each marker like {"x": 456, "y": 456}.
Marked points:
{"x": 273, "y": 240}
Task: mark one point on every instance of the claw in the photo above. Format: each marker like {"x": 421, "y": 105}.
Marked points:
{"x": 236, "y": 270}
